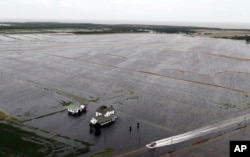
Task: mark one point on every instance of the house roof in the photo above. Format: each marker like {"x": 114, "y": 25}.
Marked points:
{"x": 102, "y": 119}
{"x": 104, "y": 109}
{"x": 73, "y": 107}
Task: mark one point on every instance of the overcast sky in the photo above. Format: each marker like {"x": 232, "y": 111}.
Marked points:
{"x": 234, "y": 11}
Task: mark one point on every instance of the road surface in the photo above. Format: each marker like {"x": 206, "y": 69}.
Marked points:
{"x": 215, "y": 128}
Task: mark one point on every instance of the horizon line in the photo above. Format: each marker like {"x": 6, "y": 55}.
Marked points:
{"x": 209, "y": 24}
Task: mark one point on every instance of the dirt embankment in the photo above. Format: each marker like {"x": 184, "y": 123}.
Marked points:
{"x": 4, "y": 116}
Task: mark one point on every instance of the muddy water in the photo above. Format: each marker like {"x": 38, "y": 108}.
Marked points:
{"x": 170, "y": 84}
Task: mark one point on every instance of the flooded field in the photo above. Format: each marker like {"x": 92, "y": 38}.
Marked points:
{"x": 170, "y": 84}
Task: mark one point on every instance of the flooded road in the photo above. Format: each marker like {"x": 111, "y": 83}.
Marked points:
{"x": 230, "y": 124}
{"x": 170, "y": 84}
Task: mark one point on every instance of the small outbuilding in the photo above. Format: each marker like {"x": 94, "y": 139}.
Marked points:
{"x": 74, "y": 110}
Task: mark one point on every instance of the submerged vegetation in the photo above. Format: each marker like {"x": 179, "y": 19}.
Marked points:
{"x": 227, "y": 105}
{"x": 18, "y": 142}
{"x": 65, "y": 103}
{"x": 22, "y": 140}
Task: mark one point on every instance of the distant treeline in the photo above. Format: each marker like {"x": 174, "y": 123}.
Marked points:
{"x": 88, "y": 28}
{"x": 246, "y": 37}
{"x": 79, "y": 28}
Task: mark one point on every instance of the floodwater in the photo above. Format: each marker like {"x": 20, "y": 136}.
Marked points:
{"x": 170, "y": 84}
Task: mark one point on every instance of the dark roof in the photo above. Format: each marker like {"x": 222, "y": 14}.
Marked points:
{"x": 102, "y": 119}
{"x": 104, "y": 109}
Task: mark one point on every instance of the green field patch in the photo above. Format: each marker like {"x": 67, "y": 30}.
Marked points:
{"x": 103, "y": 153}
{"x": 17, "y": 141}
{"x": 118, "y": 102}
